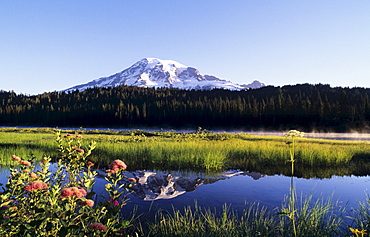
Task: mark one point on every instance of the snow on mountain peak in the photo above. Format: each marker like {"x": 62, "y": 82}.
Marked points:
{"x": 154, "y": 72}
{"x": 163, "y": 62}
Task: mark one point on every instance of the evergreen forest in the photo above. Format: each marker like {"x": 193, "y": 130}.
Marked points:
{"x": 302, "y": 106}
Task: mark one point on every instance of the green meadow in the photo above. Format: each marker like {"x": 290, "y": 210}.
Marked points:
{"x": 199, "y": 150}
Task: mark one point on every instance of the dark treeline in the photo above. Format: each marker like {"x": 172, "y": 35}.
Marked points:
{"x": 304, "y": 107}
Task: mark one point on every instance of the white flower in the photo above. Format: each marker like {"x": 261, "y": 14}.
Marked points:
{"x": 294, "y": 133}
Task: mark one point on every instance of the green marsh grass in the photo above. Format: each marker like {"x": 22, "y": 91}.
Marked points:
{"x": 199, "y": 151}
{"x": 198, "y": 221}
{"x": 322, "y": 217}
{"x": 25, "y": 144}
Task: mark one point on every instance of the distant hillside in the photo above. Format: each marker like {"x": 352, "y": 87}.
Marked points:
{"x": 305, "y": 107}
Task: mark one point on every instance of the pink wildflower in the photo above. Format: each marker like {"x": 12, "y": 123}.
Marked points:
{"x": 80, "y": 150}
{"x": 110, "y": 171}
{"x": 79, "y": 136}
{"x": 73, "y": 191}
{"x": 4, "y": 207}
{"x": 87, "y": 202}
{"x": 117, "y": 165}
{"x": 33, "y": 175}
{"x": 115, "y": 202}
{"x": 35, "y": 185}
{"x": 74, "y": 147}
{"x": 26, "y": 163}
{"x": 67, "y": 192}
{"x": 98, "y": 226}
{"x": 132, "y": 180}
{"x": 16, "y": 158}
{"x": 89, "y": 164}
{"x": 68, "y": 135}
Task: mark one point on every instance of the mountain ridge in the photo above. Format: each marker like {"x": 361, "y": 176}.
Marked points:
{"x": 154, "y": 72}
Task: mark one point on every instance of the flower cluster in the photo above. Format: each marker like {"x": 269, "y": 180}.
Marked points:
{"x": 33, "y": 175}
{"x": 35, "y": 185}
{"x": 87, "y": 202}
{"x": 98, "y": 226}
{"x": 16, "y": 158}
{"x": 73, "y": 191}
{"x": 116, "y": 165}
{"x": 70, "y": 135}
{"x": 26, "y": 163}
{"x": 4, "y": 207}
{"x": 23, "y": 162}
{"x": 294, "y": 133}
{"x": 114, "y": 202}
{"x": 89, "y": 164}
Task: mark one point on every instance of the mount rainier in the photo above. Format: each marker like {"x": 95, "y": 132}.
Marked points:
{"x": 153, "y": 72}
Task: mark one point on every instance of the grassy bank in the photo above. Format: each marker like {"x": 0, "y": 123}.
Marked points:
{"x": 199, "y": 150}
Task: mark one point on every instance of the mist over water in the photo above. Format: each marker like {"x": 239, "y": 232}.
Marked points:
{"x": 318, "y": 135}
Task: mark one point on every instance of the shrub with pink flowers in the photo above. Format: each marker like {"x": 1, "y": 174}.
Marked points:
{"x": 35, "y": 185}
{"x": 73, "y": 192}
{"x": 98, "y": 226}
{"x": 117, "y": 165}
{"x": 41, "y": 201}
{"x": 87, "y": 202}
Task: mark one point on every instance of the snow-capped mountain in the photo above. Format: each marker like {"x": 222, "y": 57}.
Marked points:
{"x": 153, "y": 72}
{"x": 152, "y": 186}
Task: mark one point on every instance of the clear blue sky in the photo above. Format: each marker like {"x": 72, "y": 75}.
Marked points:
{"x": 53, "y": 45}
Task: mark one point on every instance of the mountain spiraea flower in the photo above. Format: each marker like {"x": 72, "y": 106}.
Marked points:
{"x": 73, "y": 191}
{"x": 87, "y": 202}
{"x": 98, "y": 226}
{"x": 117, "y": 165}
{"x": 35, "y": 185}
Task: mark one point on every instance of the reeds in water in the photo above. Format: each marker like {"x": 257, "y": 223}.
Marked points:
{"x": 319, "y": 218}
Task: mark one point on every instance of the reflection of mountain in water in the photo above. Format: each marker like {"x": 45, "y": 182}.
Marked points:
{"x": 165, "y": 185}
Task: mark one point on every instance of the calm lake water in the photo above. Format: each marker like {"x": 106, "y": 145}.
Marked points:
{"x": 242, "y": 188}
{"x": 159, "y": 190}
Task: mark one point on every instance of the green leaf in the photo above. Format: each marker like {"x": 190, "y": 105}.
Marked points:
{"x": 68, "y": 207}
{"x": 36, "y": 223}
{"x": 90, "y": 195}
{"x": 49, "y": 226}
{"x": 73, "y": 227}
{"x": 63, "y": 231}
{"x": 63, "y": 223}
{"x": 40, "y": 210}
